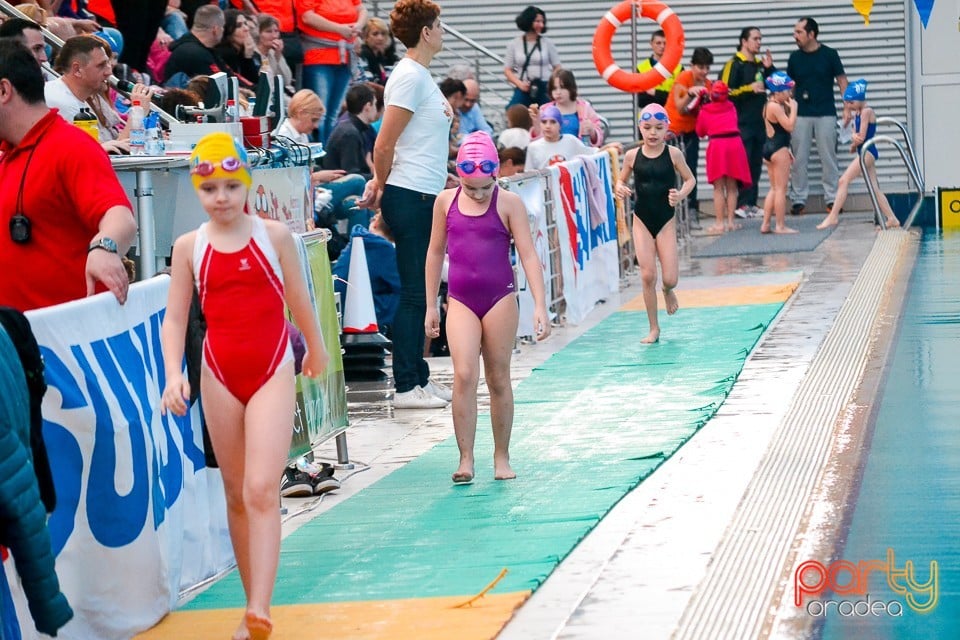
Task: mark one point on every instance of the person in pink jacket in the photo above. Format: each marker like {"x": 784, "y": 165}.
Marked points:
{"x": 727, "y": 168}
{"x": 579, "y": 118}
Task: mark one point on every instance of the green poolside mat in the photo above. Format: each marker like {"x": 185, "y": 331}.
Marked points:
{"x": 591, "y": 423}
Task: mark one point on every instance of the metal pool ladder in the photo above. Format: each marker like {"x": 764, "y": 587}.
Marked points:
{"x": 913, "y": 168}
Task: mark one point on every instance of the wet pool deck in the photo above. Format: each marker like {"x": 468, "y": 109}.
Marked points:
{"x": 702, "y": 548}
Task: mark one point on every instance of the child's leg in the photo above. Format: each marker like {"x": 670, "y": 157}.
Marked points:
{"x": 843, "y": 187}
{"x": 669, "y": 265}
{"x": 463, "y": 338}
{"x": 885, "y": 207}
{"x": 719, "y": 206}
{"x": 499, "y": 331}
{"x": 223, "y": 414}
{"x": 768, "y": 201}
{"x": 268, "y": 427}
{"x": 732, "y": 195}
{"x": 782, "y": 160}
{"x": 647, "y": 262}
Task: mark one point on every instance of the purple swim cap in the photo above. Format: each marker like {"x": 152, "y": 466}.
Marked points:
{"x": 551, "y": 112}
{"x": 477, "y": 151}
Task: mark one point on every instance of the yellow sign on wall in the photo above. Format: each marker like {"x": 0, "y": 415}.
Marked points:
{"x": 949, "y": 208}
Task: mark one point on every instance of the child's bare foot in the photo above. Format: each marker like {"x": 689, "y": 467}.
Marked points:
{"x": 671, "y": 302}
{"x": 715, "y": 230}
{"x": 502, "y": 470}
{"x": 829, "y": 221}
{"x": 652, "y": 338}
{"x": 242, "y": 633}
{"x": 732, "y": 226}
{"x": 784, "y": 229}
{"x": 463, "y": 474}
{"x": 765, "y": 228}
{"x": 260, "y": 627}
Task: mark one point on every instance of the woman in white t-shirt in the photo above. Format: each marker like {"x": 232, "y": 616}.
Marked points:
{"x": 410, "y": 169}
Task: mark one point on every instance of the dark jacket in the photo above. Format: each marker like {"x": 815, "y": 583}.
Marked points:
{"x": 384, "y": 277}
{"x": 192, "y": 58}
{"x": 346, "y": 147}
{"x": 739, "y": 73}
{"x": 23, "y": 521}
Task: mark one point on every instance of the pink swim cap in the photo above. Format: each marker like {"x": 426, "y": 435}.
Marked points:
{"x": 477, "y": 154}
{"x": 656, "y": 112}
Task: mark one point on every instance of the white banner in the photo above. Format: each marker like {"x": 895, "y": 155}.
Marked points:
{"x": 586, "y": 218}
{"x": 531, "y": 192}
{"x": 139, "y": 517}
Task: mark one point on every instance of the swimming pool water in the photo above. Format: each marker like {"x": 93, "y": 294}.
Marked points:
{"x": 909, "y": 500}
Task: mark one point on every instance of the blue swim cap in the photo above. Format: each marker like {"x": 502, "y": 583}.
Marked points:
{"x": 113, "y": 38}
{"x": 856, "y": 91}
{"x": 779, "y": 81}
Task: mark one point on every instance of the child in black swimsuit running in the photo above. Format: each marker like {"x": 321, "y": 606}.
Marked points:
{"x": 654, "y": 167}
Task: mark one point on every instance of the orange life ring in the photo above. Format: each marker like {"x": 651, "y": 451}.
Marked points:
{"x": 603, "y": 37}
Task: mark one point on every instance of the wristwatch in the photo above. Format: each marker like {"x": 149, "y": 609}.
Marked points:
{"x": 105, "y": 243}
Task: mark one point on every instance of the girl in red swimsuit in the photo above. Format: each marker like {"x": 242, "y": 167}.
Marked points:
{"x": 245, "y": 269}
{"x": 473, "y": 224}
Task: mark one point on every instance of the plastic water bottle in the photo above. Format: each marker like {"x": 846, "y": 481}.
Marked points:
{"x": 87, "y": 121}
{"x": 138, "y": 133}
{"x": 153, "y": 143}
{"x": 231, "y": 112}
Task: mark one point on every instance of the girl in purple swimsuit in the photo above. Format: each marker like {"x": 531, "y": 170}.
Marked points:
{"x": 474, "y": 224}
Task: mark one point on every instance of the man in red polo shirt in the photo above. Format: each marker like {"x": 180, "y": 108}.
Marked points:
{"x": 68, "y": 219}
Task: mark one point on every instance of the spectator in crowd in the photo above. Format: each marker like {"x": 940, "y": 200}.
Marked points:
{"x": 814, "y": 67}
{"x": 579, "y": 118}
{"x": 285, "y": 13}
{"x": 174, "y": 22}
{"x": 691, "y": 88}
{"x": 61, "y": 25}
{"x": 236, "y": 49}
{"x": 382, "y": 267}
{"x": 744, "y": 74}
{"x": 84, "y": 65}
{"x": 329, "y": 30}
{"x": 453, "y": 90}
{"x": 194, "y": 54}
{"x": 530, "y": 59}
{"x": 659, "y": 94}
{"x": 269, "y": 52}
{"x": 70, "y": 220}
{"x": 410, "y": 169}
{"x": 378, "y": 53}
{"x": 471, "y": 117}
{"x": 553, "y": 147}
{"x": 137, "y": 20}
{"x": 28, "y": 33}
{"x": 512, "y": 160}
{"x": 517, "y": 133}
{"x": 347, "y": 144}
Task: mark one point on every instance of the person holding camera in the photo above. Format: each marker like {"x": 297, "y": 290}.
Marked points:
{"x": 530, "y": 59}
{"x": 691, "y": 89}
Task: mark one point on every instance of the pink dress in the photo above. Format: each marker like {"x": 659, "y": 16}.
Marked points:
{"x": 726, "y": 156}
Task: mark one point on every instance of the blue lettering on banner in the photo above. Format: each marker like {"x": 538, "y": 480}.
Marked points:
{"x": 589, "y": 239}
{"x": 132, "y": 373}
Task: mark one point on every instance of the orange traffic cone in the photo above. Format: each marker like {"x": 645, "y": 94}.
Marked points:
{"x": 359, "y": 315}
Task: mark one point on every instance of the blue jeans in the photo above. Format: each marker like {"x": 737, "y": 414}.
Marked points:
{"x": 330, "y": 82}
{"x": 410, "y": 216}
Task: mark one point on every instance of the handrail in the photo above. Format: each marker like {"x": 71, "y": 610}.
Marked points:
{"x": 906, "y": 136}
{"x": 881, "y": 220}
{"x": 472, "y": 43}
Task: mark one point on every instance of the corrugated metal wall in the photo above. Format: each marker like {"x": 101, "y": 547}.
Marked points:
{"x": 876, "y": 52}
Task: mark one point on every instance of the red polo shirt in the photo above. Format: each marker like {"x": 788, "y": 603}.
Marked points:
{"x": 282, "y": 10}
{"x": 339, "y": 11}
{"x": 68, "y": 186}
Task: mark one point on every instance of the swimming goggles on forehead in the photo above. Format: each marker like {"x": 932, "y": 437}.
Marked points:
{"x": 486, "y": 166}
{"x": 206, "y": 168}
{"x": 658, "y": 115}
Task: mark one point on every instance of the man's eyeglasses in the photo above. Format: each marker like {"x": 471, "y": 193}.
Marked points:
{"x": 659, "y": 115}
{"x": 486, "y": 166}
{"x": 206, "y": 168}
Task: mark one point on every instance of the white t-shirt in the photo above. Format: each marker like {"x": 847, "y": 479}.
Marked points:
{"x": 286, "y": 129}
{"x": 514, "y": 137}
{"x": 58, "y": 96}
{"x": 542, "y": 154}
{"x": 420, "y": 159}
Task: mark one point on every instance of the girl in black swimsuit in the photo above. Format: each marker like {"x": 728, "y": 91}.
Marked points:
{"x": 779, "y": 117}
{"x": 654, "y": 167}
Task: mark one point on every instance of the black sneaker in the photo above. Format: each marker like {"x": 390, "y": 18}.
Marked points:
{"x": 295, "y": 484}
{"x": 798, "y": 208}
{"x": 324, "y": 484}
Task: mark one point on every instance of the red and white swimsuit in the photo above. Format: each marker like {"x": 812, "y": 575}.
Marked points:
{"x": 241, "y": 295}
